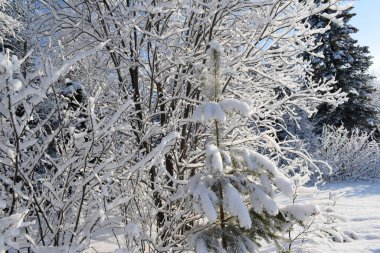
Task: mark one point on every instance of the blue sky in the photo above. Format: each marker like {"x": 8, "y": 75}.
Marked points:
{"x": 367, "y": 20}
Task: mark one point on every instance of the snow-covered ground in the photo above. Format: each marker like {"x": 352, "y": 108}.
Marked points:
{"x": 360, "y": 204}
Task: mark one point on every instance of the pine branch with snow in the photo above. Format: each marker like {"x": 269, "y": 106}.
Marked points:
{"x": 236, "y": 192}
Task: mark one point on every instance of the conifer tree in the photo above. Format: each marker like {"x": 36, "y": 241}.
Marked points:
{"x": 236, "y": 188}
{"x": 339, "y": 57}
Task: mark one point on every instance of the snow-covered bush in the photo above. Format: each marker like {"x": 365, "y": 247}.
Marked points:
{"x": 350, "y": 155}
{"x": 305, "y": 233}
{"x": 62, "y": 159}
{"x": 9, "y": 25}
{"x": 112, "y": 165}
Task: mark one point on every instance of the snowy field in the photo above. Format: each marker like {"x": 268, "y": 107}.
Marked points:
{"x": 358, "y": 202}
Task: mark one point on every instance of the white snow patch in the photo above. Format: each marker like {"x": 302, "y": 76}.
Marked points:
{"x": 261, "y": 200}
{"x": 214, "y": 160}
{"x": 199, "y": 189}
{"x": 214, "y": 45}
{"x": 209, "y": 111}
{"x": 15, "y": 84}
{"x": 235, "y": 105}
{"x": 234, "y": 204}
{"x": 256, "y": 161}
{"x": 284, "y": 184}
{"x": 300, "y": 212}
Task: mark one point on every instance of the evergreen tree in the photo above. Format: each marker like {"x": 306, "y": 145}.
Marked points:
{"x": 339, "y": 57}
{"x": 235, "y": 191}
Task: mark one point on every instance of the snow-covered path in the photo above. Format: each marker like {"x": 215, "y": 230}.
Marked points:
{"x": 360, "y": 203}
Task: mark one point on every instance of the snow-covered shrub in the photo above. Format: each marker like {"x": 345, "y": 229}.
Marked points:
{"x": 62, "y": 156}
{"x": 113, "y": 165}
{"x": 33, "y": 177}
{"x": 11, "y": 227}
{"x": 350, "y": 155}
{"x": 9, "y": 25}
{"x": 305, "y": 233}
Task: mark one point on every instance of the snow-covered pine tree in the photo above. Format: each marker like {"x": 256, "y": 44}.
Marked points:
{"x": 235, "y": 189}
{"x": 342, "y": 59}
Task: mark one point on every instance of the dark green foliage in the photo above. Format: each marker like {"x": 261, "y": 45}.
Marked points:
{"x": 265, "y": 227}
{"x": 347, "y": 62}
